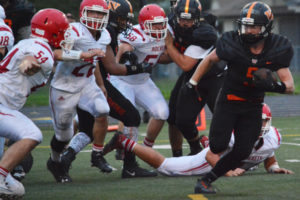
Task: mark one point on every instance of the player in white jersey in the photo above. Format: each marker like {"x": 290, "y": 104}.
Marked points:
{"x": 76, "y": 84}
{"x": 25, "y": 68}
{"x": 202, "y": 163}
{"x": 146, "y": 41}
{"x": 6, "y": 36}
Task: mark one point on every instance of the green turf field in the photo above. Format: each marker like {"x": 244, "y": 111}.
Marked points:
{"x": 90, "y": 184}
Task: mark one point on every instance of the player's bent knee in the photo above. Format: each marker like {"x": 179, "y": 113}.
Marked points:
{"x": 132, "y": 120}
{"x": 101, "y": 107}
{"x": 34, "y": 135}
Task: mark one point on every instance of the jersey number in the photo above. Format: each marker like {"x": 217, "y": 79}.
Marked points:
{"x": 76, "y": 72}
{"x": 149, "y": 57}
{"x": 40, "y": 58}
{"x": 4, "y": 40}
{"x": 6, "y": 61}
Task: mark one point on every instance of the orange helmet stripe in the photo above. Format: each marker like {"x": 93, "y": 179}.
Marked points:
{"x": 250, "y": 9}
{"x": 187, "y": 3}
{"x": 130, "y": 7}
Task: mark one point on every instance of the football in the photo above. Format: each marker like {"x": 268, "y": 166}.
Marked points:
{"x": 264, "y": 74}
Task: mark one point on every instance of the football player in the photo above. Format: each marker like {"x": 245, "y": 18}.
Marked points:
{"x": 120, "y": 17}
{"x": 193, "y": 40}
{"x": 202, "y": 163}
{"x": 25, "y": 68}
{"x": 239, "y": 103}
{"x": 146, "y": 41}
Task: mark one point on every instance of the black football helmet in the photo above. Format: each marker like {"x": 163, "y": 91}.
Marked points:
{"x": 120, "y": 11}
{"x": 186, "y": 9}
{"x": 255, "y": 14}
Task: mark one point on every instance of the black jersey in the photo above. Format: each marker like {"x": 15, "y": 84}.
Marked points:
{"x": 277, "y": 53}
{"x": 114, "y": 45}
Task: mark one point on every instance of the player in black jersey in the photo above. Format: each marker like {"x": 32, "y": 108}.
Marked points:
{"x": 120, "y": 17}
{"x": 251, "y": 53}
{"x": 193, "y": 40}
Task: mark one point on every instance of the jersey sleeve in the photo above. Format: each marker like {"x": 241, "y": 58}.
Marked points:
{"x": 6, "y": 37}
{"x": 44, "y": 55}
{"x": 197, "y": 52}
{"x": 135, "y": 38}
{"x": 223, "y": 49}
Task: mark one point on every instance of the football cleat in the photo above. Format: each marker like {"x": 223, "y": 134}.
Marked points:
{"x": 204, "y": 141}
{"x": 67, "y": 158}
{"x": 204, "y": 187}
{"x": 10, "y": 188}
{"x": 134, "y": 171}
{"x": 58, "y": 171}
{"x": 99, "y": 161}
{"x": 114, "y": 143}
{"x": 18, "y": 173}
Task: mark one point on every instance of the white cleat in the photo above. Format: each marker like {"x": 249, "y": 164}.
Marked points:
{"x": 11, "y": 188}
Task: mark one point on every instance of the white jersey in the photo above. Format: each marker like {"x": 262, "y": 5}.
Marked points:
{"x": 197, "y": 164}
{"x": 146, "y": 49}
{"x": 6, "y": 36}
{"x": 72, "y": 76}
{"x": 15, "y": 86}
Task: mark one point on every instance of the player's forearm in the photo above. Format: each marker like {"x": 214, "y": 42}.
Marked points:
{"x": 202, "y": 68}
{"x": 178, "y": 58}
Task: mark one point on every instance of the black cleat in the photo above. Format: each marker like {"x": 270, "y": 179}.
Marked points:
{"x": 58, "y": 171}
{"x": 135, "y": 171}
{"x": 18, "y": 173}
{"x": 114, "y": 143}
{"x": 67, "y": 158}
{"x": 99, "y": 161}
{"x": 204, "y": 187}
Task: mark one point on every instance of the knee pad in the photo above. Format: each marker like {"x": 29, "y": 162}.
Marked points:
{"x": 162, "y": 113}
{"x": 132, "y": 119}
{"x": 101, "y": 107}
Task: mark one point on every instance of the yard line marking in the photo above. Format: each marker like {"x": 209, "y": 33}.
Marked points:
{"x": 291, "y": 135}
{"x": 197, "y": 197}
{"x": 292, "y": 160}
{"x": 289, "y": 143}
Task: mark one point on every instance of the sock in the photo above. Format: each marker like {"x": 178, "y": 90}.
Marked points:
{"x": 3, "y": 172}
{"x": 148, "y": 143}
{"x": 55, "y": 156}
{"x": 177, "y": 152}
{"x": 195, "y": 146}
{"x": 97, "y": 147}
{"x": 210, "y": 177}
{"x": 128, "y": 144}
{"x": 79, "y": 141}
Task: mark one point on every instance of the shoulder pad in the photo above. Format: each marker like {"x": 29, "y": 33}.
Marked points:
{"x": 205, "y": 36}
{"x": 280, "y": 50}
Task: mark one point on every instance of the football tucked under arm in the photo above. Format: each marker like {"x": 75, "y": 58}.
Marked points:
{"x": 29, "y": 66}
{"x": 266, "y": 80}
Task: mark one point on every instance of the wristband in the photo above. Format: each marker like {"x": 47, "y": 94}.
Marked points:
{"x": 71, "y": 55}
{"x": 273, "y": 167}
{"x": 194, "y": 83}
{"x": 279, "y": 87}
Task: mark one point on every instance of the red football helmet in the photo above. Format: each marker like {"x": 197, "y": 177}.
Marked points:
{"x": 266, "y": 115}
{"x": 151, "y": 16}
{"x": 49, "y": 24}
{"x": 94, "y": 23}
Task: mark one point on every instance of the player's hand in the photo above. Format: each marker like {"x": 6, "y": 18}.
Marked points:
{"x": 92, "y": 53}
{"x": 168, "y": 39}
{"x": 29, "y": 66}
{"x": 282, "y": 171}
{"x": 139, "y": 68}
{"x": 103, "y": 90}
{"x": 191, "y": 90}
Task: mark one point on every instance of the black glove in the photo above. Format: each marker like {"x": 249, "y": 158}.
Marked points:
{"x": 139, "y": 68}
{"x": 191, "y": 90}
{"x": 265, "y": 80}
{"x": 128, "y": 57}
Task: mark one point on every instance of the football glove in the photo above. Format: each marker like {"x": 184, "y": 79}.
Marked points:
{"x": 139, "y": 68}
{"x": 191, "y": 90}
{"x": 265, "y": 80}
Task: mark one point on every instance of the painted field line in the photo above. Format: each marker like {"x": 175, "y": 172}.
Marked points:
{"x": 289, "y": 143}
{"x": 197, "y": 197}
